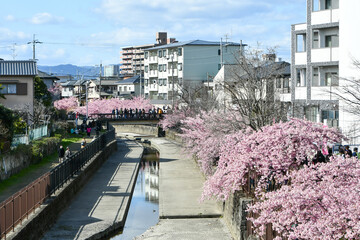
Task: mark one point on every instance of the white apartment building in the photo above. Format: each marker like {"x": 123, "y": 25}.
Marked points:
{"x": 169, "y": 67}
{"x": 322, "y": 55}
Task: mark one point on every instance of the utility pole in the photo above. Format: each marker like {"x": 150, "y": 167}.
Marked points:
{"x": 13, "y": 49}
{"x": 34, "y": 42}
{"x": 221, "y": 53}
{"x": 100, "y": 81}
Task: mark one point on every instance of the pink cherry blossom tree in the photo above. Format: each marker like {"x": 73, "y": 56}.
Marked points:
{"x": 266, "y": 155}
{"x": 322, "y": 202}
{"x": 104, "y": 106}
{"x": 68, "y": 104}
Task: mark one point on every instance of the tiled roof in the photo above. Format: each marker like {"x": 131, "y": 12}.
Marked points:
{"x": 18, "y": 68}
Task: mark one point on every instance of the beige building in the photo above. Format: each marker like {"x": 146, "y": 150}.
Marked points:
{"x": 17, "y": 81}
{"x": 132, "y": 59}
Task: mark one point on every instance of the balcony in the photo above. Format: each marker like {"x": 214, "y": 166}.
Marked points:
{"x": 299, "y": 27}
{"x": 300, "y": 58}
{"x": 170, "y": 73}
{"x": 153, "y": 59}
{"x": 325, "y": 54}
{"x": 153, "y": 73}
{"x": 325, "y": 16}
{"x": 153, "y": 87}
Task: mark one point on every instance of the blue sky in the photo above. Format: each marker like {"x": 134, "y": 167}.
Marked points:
{"x": 93, "y": 31}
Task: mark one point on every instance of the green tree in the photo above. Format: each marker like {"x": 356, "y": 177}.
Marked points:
{"x": 2, "y": 95}
{"x": 41, "y": 92}
{"x": 7, "y": 119}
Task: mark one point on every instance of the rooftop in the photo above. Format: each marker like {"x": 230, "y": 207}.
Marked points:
{"x": 18, "y": 68}
{"x": 195, "y": 43}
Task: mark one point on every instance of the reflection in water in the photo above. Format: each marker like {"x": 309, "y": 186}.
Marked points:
{"x": 144, "y": 207}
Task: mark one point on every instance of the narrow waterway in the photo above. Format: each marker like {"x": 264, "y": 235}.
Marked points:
{"x": 144, "y": 207}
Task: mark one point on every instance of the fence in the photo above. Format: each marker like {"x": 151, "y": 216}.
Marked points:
{"x": 15, "y": 209}
{"x": 33, "y": 134}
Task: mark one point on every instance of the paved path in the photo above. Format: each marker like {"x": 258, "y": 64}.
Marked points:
{"x": 181, "y": 214}
{"x": 104, "y": 200}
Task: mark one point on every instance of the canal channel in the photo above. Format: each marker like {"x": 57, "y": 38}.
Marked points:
{"x": 144, "y": 207}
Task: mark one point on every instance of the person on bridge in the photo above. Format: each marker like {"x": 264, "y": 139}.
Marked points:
{"x": 67, "y": 153}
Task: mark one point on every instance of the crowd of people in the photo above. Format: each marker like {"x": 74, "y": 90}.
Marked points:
{"x": 129, "y": 113}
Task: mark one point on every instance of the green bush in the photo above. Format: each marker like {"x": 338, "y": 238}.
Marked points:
{"x": 44, "y": 147}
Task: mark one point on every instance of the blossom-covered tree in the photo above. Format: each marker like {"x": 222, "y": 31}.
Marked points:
{"x": 204, "y": 134}
{"x": 322, "y": 202}
{"x": 68, "y": 104}
{"x": 104, "y": 106}
{"x": 267, "y": 155}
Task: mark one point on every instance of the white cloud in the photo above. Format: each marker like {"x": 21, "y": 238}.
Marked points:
{"x": 46, "y": 18}
{"x": 7, "y": 34}
{"x": 9, "y": 18}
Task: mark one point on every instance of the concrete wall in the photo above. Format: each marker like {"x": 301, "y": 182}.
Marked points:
{"x": 11, "y": 164}
{"x": 140, "y": 129}
{"x": 45, "y": 216}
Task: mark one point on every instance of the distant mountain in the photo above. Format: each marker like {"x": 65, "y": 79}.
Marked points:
{"x": 69, "y": 69}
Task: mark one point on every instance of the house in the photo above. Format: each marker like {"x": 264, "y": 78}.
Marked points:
{"x": 228, "y": 77}
{"x": 169, "y": 67}
{"x": 67, "y": 89}
{"x": 323, "y": 50}
{"x": 108, "y": 88}
{"x": 129, "y": 87}
{"x": 48, "y": 79}
{"x": 17, "y": 80}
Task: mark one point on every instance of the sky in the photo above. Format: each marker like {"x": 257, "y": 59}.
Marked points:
{"x": 87, "y": 33}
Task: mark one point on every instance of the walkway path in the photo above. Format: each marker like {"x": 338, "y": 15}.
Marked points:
{"x": 102, "y": 204}
{"x": 181, "y": 214}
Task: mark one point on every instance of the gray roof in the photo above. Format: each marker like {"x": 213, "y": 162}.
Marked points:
{"x": 68, "y": 83}
{"x": 18, "y": 68}
{"x": 132, "y": 80}
{"x": 195, "y": 43}
{"x": 105, "y": 82}
{"x": 44, "y": 75}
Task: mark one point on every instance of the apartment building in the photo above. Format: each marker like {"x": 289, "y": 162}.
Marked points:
{"x": 169, "y": 67}
{"x": 322, "y": 54}
{"x": 132, "y": 59}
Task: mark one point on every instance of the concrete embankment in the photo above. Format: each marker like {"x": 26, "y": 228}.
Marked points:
{"x": 101, "y": 207}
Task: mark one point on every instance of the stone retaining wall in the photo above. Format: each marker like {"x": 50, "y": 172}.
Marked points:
{"x": 47, "y": 214}
{"x": 140, "y": 129}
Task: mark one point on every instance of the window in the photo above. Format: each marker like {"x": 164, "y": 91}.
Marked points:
{"x": 164, "y": 67}
{"x": 179, "y": 51}
{"x": 316, "y": 5}
{"x": 146, "y": 55}
{"x": 331, "y": 79}
{"x": 160, "y": 68}
{"x": 125, "y": 88}
{"x": 301, "y": 43}
{"x": 311, "y": 113}
{"x": 146, "y": 82}
{"x": 160, "y": 82}
{"x": 219, "y": 66}
{"x": 286, "y": 83}
{"x": 8, "y": 88}
{"x": 165, "y": 81}
{"x": 278, "y": 83}
{"x": 315, "y": 78}
{"x": 180, "y": 66}
{"x": 160, "y": 53}
{"x": 164, "y": 53}
{"x": 146, "y": 69}
{"x": 332, "y": 41}
{"x": 219, "y": 52}
{"x": 316, "y": 39}
{"x": 327, "y": 4}
{"x": 300, "y": 77}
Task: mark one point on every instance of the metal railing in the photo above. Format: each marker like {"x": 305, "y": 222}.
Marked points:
{"x": 16, "y": 208}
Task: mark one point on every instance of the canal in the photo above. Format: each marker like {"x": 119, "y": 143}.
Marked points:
{"x": 144, "y": 207}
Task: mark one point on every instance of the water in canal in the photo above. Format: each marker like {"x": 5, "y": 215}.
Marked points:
{"x": 144, "y": 207}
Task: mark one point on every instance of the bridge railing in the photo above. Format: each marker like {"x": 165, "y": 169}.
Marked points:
{"x": 18, "y": 207}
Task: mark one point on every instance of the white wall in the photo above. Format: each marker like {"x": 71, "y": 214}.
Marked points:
{"x": 349, "y": 50}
